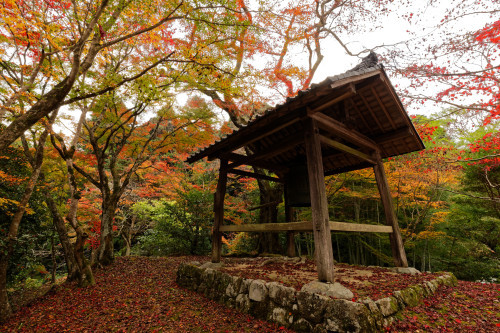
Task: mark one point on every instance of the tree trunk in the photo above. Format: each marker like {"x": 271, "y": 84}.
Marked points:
{"x": 357, "y": 209}
{"x": 62, "y": 232}
{"x": 5, "y": 309}
{"x": 126, "y": 239}
{"x": 195, "y": 240}
{"x": 76, "y": 263}
{"x": 127, "y": 235}
{"x": 8, "y": 245}
{"x": 106, "y": 252}
{"x": 54, "y": 259}
{"x": 338, "y": 246}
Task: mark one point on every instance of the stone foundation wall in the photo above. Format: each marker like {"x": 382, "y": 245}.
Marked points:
{"x": 299, "y": 310}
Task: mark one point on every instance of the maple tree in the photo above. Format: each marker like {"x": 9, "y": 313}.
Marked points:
{"x": 118, "y": 64}
{"x": 51, "y": 46}
{"x": 461, "y": 65}
{"x": 77, "y": 265}
{"x": 9, "y": 240}
{"x": 121, "y": 144}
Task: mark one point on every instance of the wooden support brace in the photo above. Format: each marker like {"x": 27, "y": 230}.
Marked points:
{"x": 397, "y": 246}
{"x": 367, "y": 105}
{"x": 254, "y": 175}
{"x": 340, "y": 146}
{"x": 337, "y": 128}
{"x": 258, "y": 164}
{"x": 219, "y": 212}
{"x": 351, "y": 92}
{"x": 265, "y": 131}
{"x": 269, "y": 204}
{"x": 398, "y": 134}
{"x": 269, "y": 227}
{"x": 270, "y": 152}
{"x": 382, "y": 105}
{"x": 319, "y": 204}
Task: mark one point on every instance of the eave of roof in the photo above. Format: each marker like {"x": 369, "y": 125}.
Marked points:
{"x": 332, "y": 81}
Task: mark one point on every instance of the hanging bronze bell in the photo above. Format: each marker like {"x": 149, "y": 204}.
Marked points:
{"x": 297, "y": 186}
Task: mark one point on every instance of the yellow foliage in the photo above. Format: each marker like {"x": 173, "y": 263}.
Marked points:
{"x": 438, "y": 217}
{"x": 6, "y": 203}
{"x": 427, "y": 234}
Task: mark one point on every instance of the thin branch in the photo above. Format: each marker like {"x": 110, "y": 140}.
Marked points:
{"x": 110, "y": 88}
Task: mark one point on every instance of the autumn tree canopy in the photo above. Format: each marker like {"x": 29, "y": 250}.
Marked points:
{"x": 114, "y": 179}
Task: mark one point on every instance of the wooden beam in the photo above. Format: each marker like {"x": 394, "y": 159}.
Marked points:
{"x": 274, "y": 203}
{"x": 395, "y": 97}
{"x": 351, "y": 92}
{"x": 265, "y": 132}
{"x": 335, "y": 171}
{"x": 254, "y": 175}
{"x": 371, "y": 112}
{"x": 269, "y": 227}
{"x": 266, "y": 153}
{"x": 355, "y": 107}
{"x": 219, "y": 212}
{"x": 397, "y": 246}
{"x": 259, "y": 164}
{"x": 397, "y": 134}
{"x": 340, "y": 146}
{"x": 319, "y": 203}
{"x": 259, "y": 128}
{"x": 337, "y": 128}
{"x": 358, "y": 227}
{"x": 305, "y": 226}
{"x": 383, "y": 107}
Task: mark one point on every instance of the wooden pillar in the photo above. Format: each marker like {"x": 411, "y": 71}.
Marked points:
{"x": 397, "y": 246}
{"x": 219, "y": 211}
{"x": 319, "y": 203}
{"x": 290, "y": 235}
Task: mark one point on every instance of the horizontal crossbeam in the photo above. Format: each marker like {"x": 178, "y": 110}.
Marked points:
{"x": 305, "y": 226}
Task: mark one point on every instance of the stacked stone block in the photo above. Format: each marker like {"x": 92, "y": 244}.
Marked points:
{"x": 300, "y": 310}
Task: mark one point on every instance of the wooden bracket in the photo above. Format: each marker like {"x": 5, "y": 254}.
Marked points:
{"x": 255, "y": 175}
{"x": 338, "y": 129}
{"x": 351, "y": 91}
{"x": 340, "y": 146}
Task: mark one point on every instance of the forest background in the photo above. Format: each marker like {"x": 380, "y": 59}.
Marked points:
{"x": 115, "y": 181}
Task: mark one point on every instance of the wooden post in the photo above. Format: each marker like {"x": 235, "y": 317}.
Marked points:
{"x": 319, "y": 204}
{"x": 219, "y": 211}
{"x": 290, "y": 235}
{"x": 397, "y": 246}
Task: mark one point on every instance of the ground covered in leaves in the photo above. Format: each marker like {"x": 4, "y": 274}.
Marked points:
{"x": 468, "y": 307}
{"x": 363, "y": 281}
{"x": 138, "y": 294}
{"x": 135, "y": 294}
